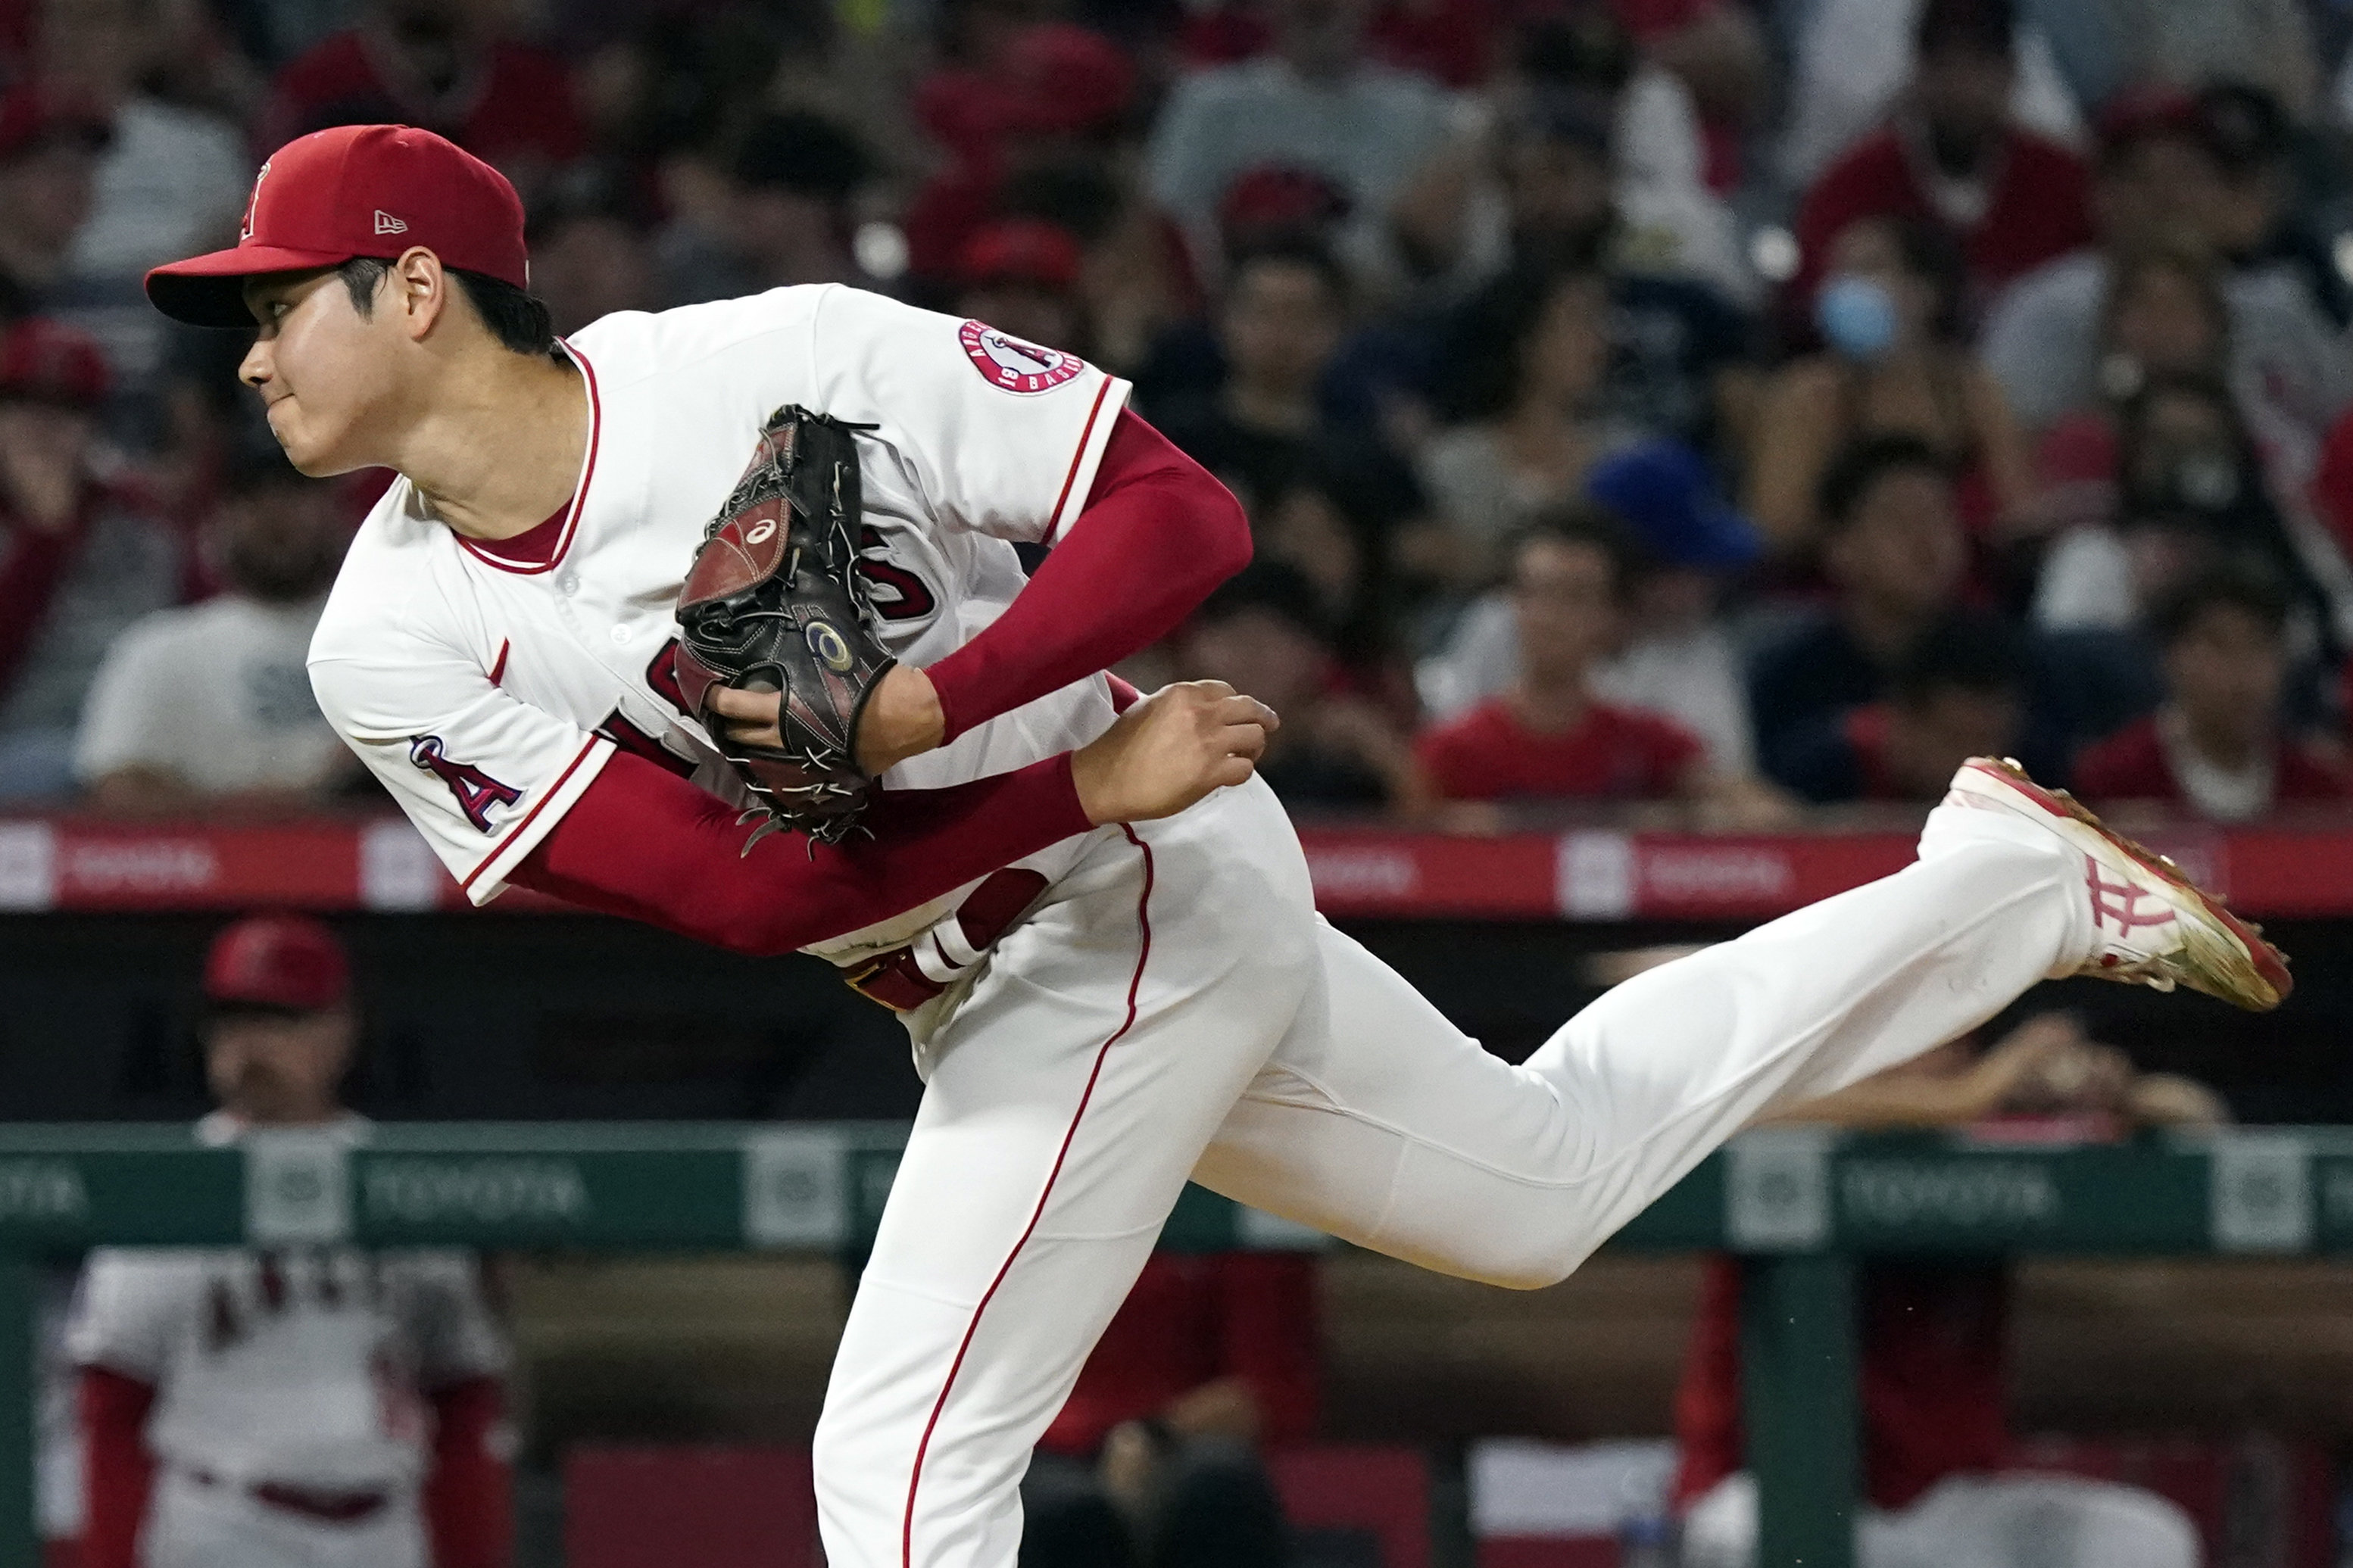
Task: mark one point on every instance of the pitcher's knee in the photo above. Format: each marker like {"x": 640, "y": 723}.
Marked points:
{"x": 859, "y": 1466}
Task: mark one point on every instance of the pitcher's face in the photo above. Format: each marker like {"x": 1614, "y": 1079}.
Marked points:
{"x": 321, "y": 367}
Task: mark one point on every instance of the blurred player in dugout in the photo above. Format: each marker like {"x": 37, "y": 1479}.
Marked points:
{"x": 314, "y": 1407}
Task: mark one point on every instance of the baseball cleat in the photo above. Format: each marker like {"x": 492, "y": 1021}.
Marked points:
{"x": 2151, "y": 925}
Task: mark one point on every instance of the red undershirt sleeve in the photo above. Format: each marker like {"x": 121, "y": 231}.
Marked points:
{"x": 1157, "y": 534}
{"x": 644, "y": 844}
{"x": 118, "y": 1472}
{"x": 469, "y": 1494}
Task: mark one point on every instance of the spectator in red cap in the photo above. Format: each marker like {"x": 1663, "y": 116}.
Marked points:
{"x": 2162, "y": 182}
{"x": 82, "y": 557}
{"x": 441, "y": 64}
{"x": 209, "y": 708}
{"x": 1952, "y": 156}
{"x": 1316, "y": 103}
{"x": 1021, "y": 275}
{"x": 261, "y": 1410}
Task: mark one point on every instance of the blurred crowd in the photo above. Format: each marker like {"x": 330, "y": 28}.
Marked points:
{"x": 1739, "y": 405}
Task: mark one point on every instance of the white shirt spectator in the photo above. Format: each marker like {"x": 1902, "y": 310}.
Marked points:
{"x": 173, "y": 181}
{"x": 217, "y": 694}
{"x": 1368, "y": 131}
{"x": 2289, "y": 367}
{"x": 1853, "y": 60}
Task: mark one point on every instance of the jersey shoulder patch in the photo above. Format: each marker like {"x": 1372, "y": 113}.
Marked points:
{"x": 1009, "y": 363}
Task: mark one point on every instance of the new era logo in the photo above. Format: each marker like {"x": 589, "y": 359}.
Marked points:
{"x": 387, "y": 224}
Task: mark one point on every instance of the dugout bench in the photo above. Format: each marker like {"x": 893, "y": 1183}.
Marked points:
{"x": 1798, "y": 1205}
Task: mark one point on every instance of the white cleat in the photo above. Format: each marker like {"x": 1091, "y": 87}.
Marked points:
{"x": 2151, "y": 925}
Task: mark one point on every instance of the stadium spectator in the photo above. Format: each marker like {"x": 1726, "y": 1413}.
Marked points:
{"x": 2220, "y": 747}
{"x": 1679, "y": 346}
{"x": 1211, "y": 1358}
{"x": 2151, "y": 297}
{"x": 1280, "y": 318}
{"x": 2189, "y": 490}
{"x": 1897, "y": 364}
{"x": 283, "y": 1408}
{"x": 1263, "y": 632}
{"x": 174, "y": 175}
{"x": 1022, "y": 276}
{"x": 1934, "y": 1347}
{"x": 209, "y": 706}
{"x": 1893, "y": 550}
{"x": 1316, "y": 104}
{"x": 1677, "y": 658}
{"x": 50, "y": 148}
{"x": 1335, "y": 521}
{"x": 785, "y": 216}
{"x": 1960, "y": 693}
{"x": 1953, "y": 157}
{"x": 80, "y": 556}
{"x": 1850, "y": 61}
{"x": 1548, "y": 737}
{"x": 1526, "y": 374}
{"x": 589, "y": 252}
{"x": 443, "y": 65}
{"x": 2260, "y": 42}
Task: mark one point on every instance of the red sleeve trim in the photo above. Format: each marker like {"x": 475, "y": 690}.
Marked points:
{"x": 1078, "y": 459}
{"x": 465, "y": 883}
{"x": 498, "y": 665}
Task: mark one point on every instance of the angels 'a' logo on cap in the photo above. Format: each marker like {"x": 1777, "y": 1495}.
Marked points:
{"x": 387, "y": 224}
{"x": 1014, "y": 365}
{"x": 245, "y": 229}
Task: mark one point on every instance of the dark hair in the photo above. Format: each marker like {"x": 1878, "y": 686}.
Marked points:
{"x": 1276, "y": 587}
{"x": 1488, "y": 354}
{"x": 1584, "y": 523}
{"x": 805, "y": 154}
{"x": 518, "y": 321}
{"x": 1973, "y": 654}
{"x": 1857, "y": 470}
{"x": 1292, "y": 251}
{"x": 1988, "y": 27}
{"x": 2241, "y": 584}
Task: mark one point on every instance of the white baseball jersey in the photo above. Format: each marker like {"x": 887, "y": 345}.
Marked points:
{"x": 485, "y": 693}
{"x": 305, "y": 1367}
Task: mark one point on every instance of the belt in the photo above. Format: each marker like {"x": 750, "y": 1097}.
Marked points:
{"x": 906, "y": 977}
{"x": 328, "y": 1507}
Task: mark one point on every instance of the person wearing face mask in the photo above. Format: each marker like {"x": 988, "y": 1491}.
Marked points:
{"x": 1896, "y": 364}
{"x": 209, "y": 708}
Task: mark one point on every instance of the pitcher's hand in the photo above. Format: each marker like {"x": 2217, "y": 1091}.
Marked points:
{"x": 1170, "y": 749}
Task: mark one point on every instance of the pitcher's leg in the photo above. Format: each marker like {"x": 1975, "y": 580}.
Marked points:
{"x": 1072, "y": 1093}
{"x": 1380, "y": 1121}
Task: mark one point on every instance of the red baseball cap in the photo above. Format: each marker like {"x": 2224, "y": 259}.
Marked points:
{"x": 277, "y": 961}
{"x": 354, "y": 189}
{"x": 1021, "y": 250}
{"x": 52, "y": 362}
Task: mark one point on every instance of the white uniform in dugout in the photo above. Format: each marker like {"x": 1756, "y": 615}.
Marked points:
{"x": 1169, "y": 1006}
{"x": 291, "y": 1426}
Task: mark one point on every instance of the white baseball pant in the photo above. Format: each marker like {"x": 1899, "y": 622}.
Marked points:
{"x": 1973, "y": 1522}
{"x": 192, "y": 1524}
{"x": 1176, "y": 1009}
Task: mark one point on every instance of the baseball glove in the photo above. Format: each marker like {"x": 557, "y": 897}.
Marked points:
{"x": 774, "y": 603}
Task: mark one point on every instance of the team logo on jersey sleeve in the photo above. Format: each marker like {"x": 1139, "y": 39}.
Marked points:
{"x": 475, "y": 790}
{"x": 1013, "y": 364}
